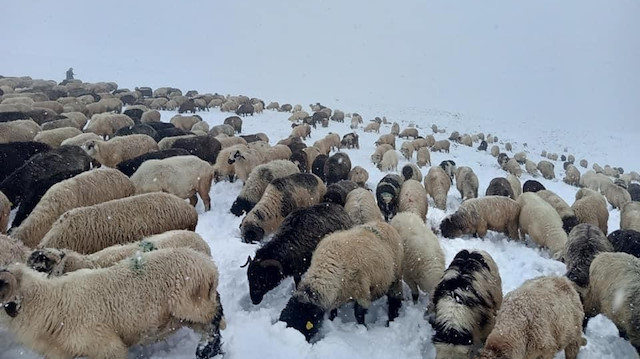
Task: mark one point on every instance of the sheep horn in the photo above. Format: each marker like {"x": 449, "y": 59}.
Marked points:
{"x": 8, "y": 285}
{"x": 249, "y": 260}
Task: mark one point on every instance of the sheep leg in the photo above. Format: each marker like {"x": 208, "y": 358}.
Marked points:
{"x": 359, "y": 312}
{"x": 193, "y": 200}
{"x": 394, "y": 297}
{"x": 333, "y": 314}
{"x": 571, "y": 351}
{"x": 203, "y": 191}
{"x": 211, "y": 342}
{"x": 414, "y": 291}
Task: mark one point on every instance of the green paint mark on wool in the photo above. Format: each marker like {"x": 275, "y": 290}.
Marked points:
{"x": 147, "y": 246}
{"x": 137, "y": 262}
{"x": 373, "y": 230}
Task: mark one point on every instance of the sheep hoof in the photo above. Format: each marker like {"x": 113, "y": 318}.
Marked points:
{"x": 333, "y": 314}
{"x": 210, "y": 349}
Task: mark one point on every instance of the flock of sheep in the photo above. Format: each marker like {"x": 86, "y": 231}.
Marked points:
{"x": 100, "y": 259}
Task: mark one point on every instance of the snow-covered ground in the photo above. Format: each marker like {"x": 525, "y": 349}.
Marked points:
{"x": 253, "y": 330}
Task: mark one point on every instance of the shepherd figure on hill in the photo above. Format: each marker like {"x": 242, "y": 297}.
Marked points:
{"x": 70, "y": 73}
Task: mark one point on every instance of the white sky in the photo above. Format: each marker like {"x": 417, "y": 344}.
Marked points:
{"x": 535, "y": 60}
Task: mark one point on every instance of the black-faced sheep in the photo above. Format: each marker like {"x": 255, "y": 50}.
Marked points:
{"x": 500, "y": 186}
{"x": 15, "y": 154}
{"x": 503, "y": 158}
{"x": 258, "y": 180}
{"x": 281, "y": 197}
{"x": 337, "y": 168}
{"x": 350, "y": 140}
{"x": 118, "y": 149}
{"x": 537, "y": 320}
{"x": 337, "y": 192}
{"x": 235, "y": 122}
{"x": 361, "y": 265}
{"x": 413, "y": 198}
{"x": 569, "y": 219}
{"x": 627, "y": 241}
{"x": 423, "y": 157}
{"x": 423, "y": 263}
{"x": 546, "y": 168}
{"x": 387, "y": 195}
{"x": 125, "y": 220}
{"x": 289, "y": 252}
{"x": 317, "y": 167}
{"x": 630, "y": 216}
{"x": 437, "y": 184}
{"x": 122, "y": 316}
{"x": 129, "y": 167}
{"x": 483, "y": 146}
{"x": 450, "y": 168}
{"x": 411, "y": 171}
{"x": 465, "y": 304}
{"x": 56, "y": 262}
{"x": 466, "y": 183}
{"x": 542, "y": 223}
{"x": 585, "y": 241}
{"x": 182, "y": 176}
{"x": 591, "y": 207}
{"x": 206, "y": 147}
{"x": 477, "y": 215}
{"x": 532, "y": 186}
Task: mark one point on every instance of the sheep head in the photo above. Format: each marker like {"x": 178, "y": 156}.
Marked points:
{"x": 251, "y": 232}
{"x": 303, "y": 317}
{"x": 263, "y": 276}
{"x": 450, "y": 227}
{"x": 47, "y": 260}
{"x": 8, "y": 286}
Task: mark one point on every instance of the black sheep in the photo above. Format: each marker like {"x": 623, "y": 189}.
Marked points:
{"x": 42, "y": 165}
{"x": 140, "y": 129}
{"x": 337, "y": 192}
{"x": 301, "y": 160}
{"x": 160, "y": 125}
{"x": 235, "y": 122}
{"x": 134, "y": 113}
{"x": 296, "y": 146}
{"x": 289, "y": 252}
{"x": 251, "y": 138}
{"x": 350, "y": 140}
{"x": 387, "y": 194}
{"x": 483, "y": 146}
{"x": 627, "y": 241}
{"x": 245, "y": 110}
{"x": 503, "y": 158}
{"x": 129, "y": 167}
{"x": 499, "y": 186}
{"x": 337, "y": 168}
{"x": 15, "y": 154}
{"x": 187, "y": 106}
{"x": 13, "y": 116}
{"x": 532, "y": 186}
{"x": 170, "y": 132}
{"x": 634, "y": 191}
{"x": 317, "y": 167}
{"x": 205, "y": 147}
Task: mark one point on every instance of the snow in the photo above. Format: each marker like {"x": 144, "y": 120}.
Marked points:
{"x": 253, "y": 330}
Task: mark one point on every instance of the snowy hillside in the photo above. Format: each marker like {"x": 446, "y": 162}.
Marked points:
{"x": 253, "y": 330}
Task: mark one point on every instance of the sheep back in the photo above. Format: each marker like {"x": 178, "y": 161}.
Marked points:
{"x": 337, "y": 168}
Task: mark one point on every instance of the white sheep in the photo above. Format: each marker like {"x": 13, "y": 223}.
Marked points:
{"x": 376, "y": 157}
{"x": 442, "y": 145}
{"x": 423, "y": 263}
{"x": 616, "y": 195}
{"x": 407, "y": 150}
{"x": 150, "y": 116}
{"x": 466, "y": 182}
{"x": 245, "y": 159}
{"x": 19, "y": 130}
{"x": 361, "y": 206}
{"x": 423, "y": 157}
{"x": 591, "y": 207}
{"x": 413, "y": 198}
{"x": 495, "y": 150}
{"x": 80, "y": 139}
{"x": 572, "y": 176}
{"x": 388, "y": 139}
{"x": 389, "y": 162}
{"x": 99, "y": 313}
{"x": 106, "y": 124}
{"x": 409, "y": 132}
{"x": 12, "y": 250}
{"x": 118, "y": 149}
{"x": 630, "y": 216}
{"x": 513, "y": 167}
{"x": 372, "y": 127}
{"x": 55, "y": 137}
{"x": 546, "y": 168}
{"x": 437, "y": 184}
{"x": 303, "y": 131}
{"x": 477, "y": 215}
{"x": 515, "y": 185}
{"x": 542, "y": 223}
{"x": 358, "y": 175}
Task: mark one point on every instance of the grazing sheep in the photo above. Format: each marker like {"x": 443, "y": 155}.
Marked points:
{"x": 616, "y": 195}
{"x": 18, "y": 131}
{"x": 500, "y": 186}
{"x": 531, "y": 168}
{"x": 258, "y": 180}
{"x": 483, "y": 146}
{"x": 337, "y": 168}
{"x": 423, "y": 157}
{"x": 395, "y": 129}
{"x": 546, "y": 168}
{"x": 281, "y": 197}
{"x": 449, "y": 167}
{"x": 595, "y": 181}
{"x": 317, "y": 167}
{"x": 466, "y": 140}
{"x": 235, "y": 122}
{"x": 437, "y": 184}
{"x": 634, "y": 191}
{"x": 388, "y": 139}
{"x": 477, "y": 215}
{"x": 5, "y": 212}
{"x": 542, "y": 223}
{"x": 387, "y": 195}
{"x": 137, "y": 301}
{"x": 465, "y": 304}
{"x": 185, "y": 123}
{"x": 513, "y": 167}
{"x": 222, "y": 129}
{"x": 273, "y": 106}
{"x": 56, "y": 262}
{"x": 372, "y": 127}
{"x": 129, "y": 167}
{"x": 244, "y": 159}
{"x": 455, "y": 136}
{"x": 350, "y": 140}
{"x": 377, "y": 155}
{"x": 106, "y": 124}
{"x": 584, "y": 163}
{"x": 231, "y": 141}
{"x": 515, "y": 185}
{"x": 182, "y": 176}
{"x": 508, "y": 147}
{"x": 591, "y": 207}
{"x": 358, "y": 175}
{"x": 407, "y": 150}
{"x": 337, "y": 116}
{"x": 584, "y": 243}
{"x": 139, "y": 129}
{"x": 423, "y": 262}
{"x": 440, "y": 146}
{"x": 627, "y": 241}
{"x": 389, "y": 162}
{"x": 411, "y": 171}
{"x": 360, "y": 264}
{"x": 12, "y": 250}
{"x": 503, "y": 158}
{"x": 566, "y": 213}
{"x": 15, "y": 154}
{"x": 572, "y": 175}
{"x": 409, "y": 132}
{"x": 246, "y": 109}
{"x": 520, "y": 157}
{"x": 613, "y": 284}
{"x": 125, "y": 220}
{"x": 537, "y": 320}
{"x": 361, "y": 206}
{"x": 419, "y": 143}
{"x": 337, "y": 192}
{"x": 150, "y": 116}
{"x": 303, "y": 131}
{"x": 630, "y": 216}
{"x": 413, "y": 198}
{"x": 118, "y": 149}
{"x": 466, "y": 183}
{"x": 532, "y": 186}
{"x": 204, "y": 147}
{"x": 289, "y": 252}
{"x": 61, "y": 123}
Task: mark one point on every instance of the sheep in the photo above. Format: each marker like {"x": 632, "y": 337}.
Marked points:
{"x": 542, "y": 223}
{"x": 244, "y": 160}
{"x": 289, "y": 252}
{"x": 257, "y": 182}
{"x": 358, "y": 175}
{"x": 419, "y": 143}
{"x": 630, "y": 216}
{"x": 423, "y": 262}
{"x": 354, "y": 123}
{"x": 409, "y": 132}
{"x": 298, "y": 116}
{"x": 552, "y": 156}
{"x": 566, "y": 213}
{"x": 440, "y": 146}
{"x": 281, "y": 197}
{"x": 395, "y": 129}
{"x": 466, "y": 183}
{"x": 376, "y": 157}
{"x": 337, "y": 192}
{"x": 361, "y": 206}
{"x": 389, "y": 162}
{"x": 204, "y": 147}
{"x": 411, "y": 171}
{"x": 546, "y": 168}
{"x": 337, "y": 168}
{"x": 407, "y": 150}
{"x": 372, "y": 127}
{"x": 591, "y": 207}
{"x": 616, "y": 195}
{"x": 273, "y": 106}
{"x": 413, "y": 198}
{"x": 12, "y": 250}
{"x": 140, "y": 129}
{"x": 423, "y": 157}
{"x": 18, "y": 131}
{"x": 387, "y": 195}
{"x": 537, "y": 320}
{"x": 235, "y": 122}
{"x": 125, "y": 220}
{"x": 584, "y": 163}
{"x": 465, "y": 304}
{"x": 106, "y": 124}
{"x": 508, "y": 147}
{"x": 231, "y": 141}
{"x": 360, "y": 264}
{"x": 222, "y": 129}
{"x": 15, "y": 154}
{"x": 437, "y": 184}
{"x": 515, "y": 185}
{"x": 595, "y": 181}
{"x": 532, "y": 186}
{"x": 596, "y": 167}
{"x": 55, "y": 137}
{"x": 185, "y": 122}
{"x": 56, "y": 262}
{"x": 634, "y": 191}
{"x": 585, "y": 241}
{"x": 513, "y": 167}
{"x": 500, "y": 186}
{"x": 150, "y": 116}
{"x": 477, "y": 215}
{"x": 61, "y": 123}
{"x": 357, "y": 118}
{"x": 455, "y": 135}
{"x": 182, "y": 176}
{"x": 449, "y": 167}
{"x": 503, "y": 158}
{"x": 337, "y": 116}
{"x": 388, "y": 139}
{"x": 129, "y": 167}
{"x": 137, "y": 301}
{"x": 613, "y": 284}
{"x": 350, "y": 140}
{"x": 5, "y": 212}
{"x": 118, "y": 149}
{"x": 627, "y": 241}
{"x": 520, "y": 157}
{"x": 483, "y": 146}
{"x": 303, "y": 131}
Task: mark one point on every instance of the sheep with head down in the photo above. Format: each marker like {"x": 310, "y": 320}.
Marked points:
{"x": 361, "y": 206}
{"x": 411, "y": 171}
{"x": 532, "y": 186}
{"x": 437, "y": 184}
{"x": 572, "y": 175}
{"x": 413, "y": 199}
{"x": 585, "y": 241}
{"x": 466, "y": 182}
{"x": 625, "y": 240}
{"x": 407, "y": 150}
{"x": 118, "y": 149}
{"x": 337, "y": 167}
{"x": 377, "y": 155}
{"x": 441, "y": 146}
{"x": 477, "y": 215}
{"x": 358, "y": 175}
{"x": 566, "y": 213}
{"x": 616, "y": 195}
{"x": 423, "y": 157}
{"x": 630, "y": 216}
{"x": 387, "y": 195}
{"x": 591, "y": 207}
{"x": 542, "y": 223}
{"x": 389, "y": 162}
{"x": 546, "y": 168}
